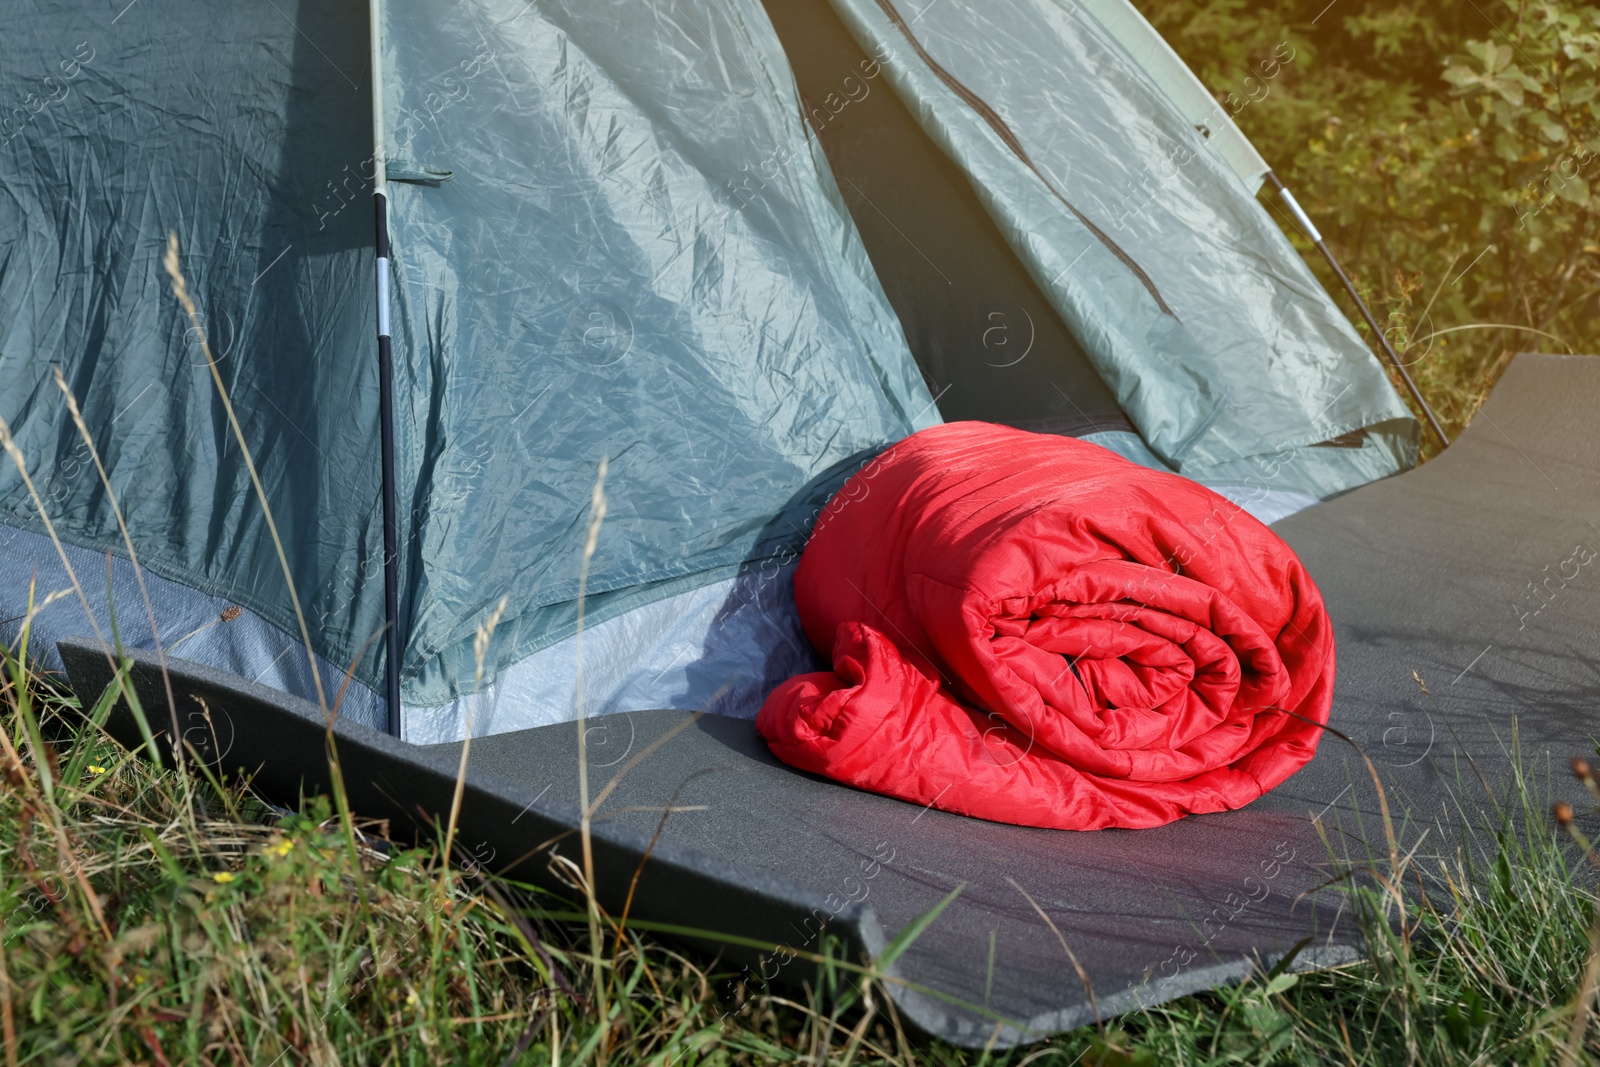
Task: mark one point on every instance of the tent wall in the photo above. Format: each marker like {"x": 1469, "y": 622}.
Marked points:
{"x": 1215, "y": 337}
{"x": 988, "y": 342}
{"x": 638, "y": 258}
{"x": 719, "y": 649}
{"x": 242, "y": 128}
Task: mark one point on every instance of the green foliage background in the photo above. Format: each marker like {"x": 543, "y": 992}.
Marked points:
{"x": 1449, "y": 152}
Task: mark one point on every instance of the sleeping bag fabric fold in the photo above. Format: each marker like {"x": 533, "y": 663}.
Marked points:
{"x": 1031, "y": 629}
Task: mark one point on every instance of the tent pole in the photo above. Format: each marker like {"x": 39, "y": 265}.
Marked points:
{"x": 1344, "y": 279}
{"x": 391, "y": 533}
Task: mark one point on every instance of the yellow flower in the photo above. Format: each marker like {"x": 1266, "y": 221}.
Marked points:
{"x": 281, "y": 848}
{"x": 411, "y": 998}
{"x": 96, "y": 770}
{"x": 224, "y": 877}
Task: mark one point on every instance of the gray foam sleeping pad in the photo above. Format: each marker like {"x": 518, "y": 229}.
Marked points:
{"x": 1465, "y": 598}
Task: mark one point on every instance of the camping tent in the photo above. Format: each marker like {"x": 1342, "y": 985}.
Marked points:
{"x": 733, "y": 250}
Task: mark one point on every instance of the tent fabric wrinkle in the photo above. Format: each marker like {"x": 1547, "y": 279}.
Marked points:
{"x": 1031, "y": 629}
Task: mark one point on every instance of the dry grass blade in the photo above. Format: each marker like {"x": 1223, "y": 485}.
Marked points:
{"x": 133, "y": 557}
{"x": 9, "y": 443}
{"x": 597, "y": 515}
{"x": 180, "y": 290}
{"x": 1494, "y": 326}
{"x": 1083, "y": 975}
{"x": 480, "y": 650}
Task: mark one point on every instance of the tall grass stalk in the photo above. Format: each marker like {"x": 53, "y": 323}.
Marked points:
{"x": 597, "y": 515}
{"x": 180, "y": 290}
{"x": 133, "y": 557}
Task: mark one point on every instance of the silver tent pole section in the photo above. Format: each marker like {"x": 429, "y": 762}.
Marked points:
{"x": 391, "y": 532}
{"x": 1344, "y": 279}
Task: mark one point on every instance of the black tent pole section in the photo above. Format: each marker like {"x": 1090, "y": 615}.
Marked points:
{"x": 391, "y": 530}
{"x": 1344, "y": 279}
{"x": 391, "y": 533}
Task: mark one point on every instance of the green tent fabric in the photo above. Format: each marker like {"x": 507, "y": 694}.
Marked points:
{"x": 588, "y": 284}
{"x": 615, "y": 234}
{"x": 241, "y": 128}
{"x": 1190, "y": 301}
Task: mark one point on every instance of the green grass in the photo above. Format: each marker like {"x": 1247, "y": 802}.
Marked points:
{"x": 154, "y": 915}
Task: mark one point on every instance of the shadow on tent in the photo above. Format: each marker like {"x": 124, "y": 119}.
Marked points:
{"x": 1466, "y": 596}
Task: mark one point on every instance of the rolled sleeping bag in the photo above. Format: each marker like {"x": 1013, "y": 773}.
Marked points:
{"x": 1031, "y": 629}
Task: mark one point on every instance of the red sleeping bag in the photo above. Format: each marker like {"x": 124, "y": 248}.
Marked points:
{"x": 1034, "y": 630}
